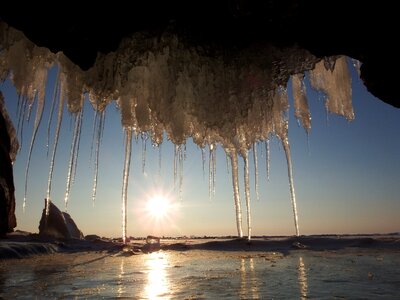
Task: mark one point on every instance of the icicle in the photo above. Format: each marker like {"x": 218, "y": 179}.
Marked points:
{"x": 94, "y": 131}
{"x": 267, "y": 156}
{"x": 72, "y": 158}
{"x": 227, "y": 164}
{"x": 53, "y": 155}
{"x": 214, "y": 165}
{"x": 247, "y": 193}
{"x": 212, "y": 168}
{"x": 21, "y": 116}
{"x": 144, "y": 137}
{"x": 181, "y": 158}
{"x": 30, "y": 107}
{"x": 203, "y": 160}
{"x": 236, "y": 195}
{"x": 286, "y": 147}
{"x": 24, "y": 112}
{"x": 175, "y": 164}
{"x": 97, "y": 154}
{"x": 336, "y": 84}
{"x": 53, "y": 103}
{"x": 38, "y": 118}
{"x": 159, "y": 159}
{"x": 302, "y": 112}
{"x": 128, "y": 150}
{"x": 75, "y": 163}
{"x": 256, "y": 171}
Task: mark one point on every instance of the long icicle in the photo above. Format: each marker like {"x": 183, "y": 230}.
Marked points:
{"x": 38, "y": 118}
{"x": 72, "y": 158}
{"x": 175, "y": 164}
{"x": 181, "y": 158}
{"x": 128, "y": 150}
{"x": 159, "y": 159}
{"x": 94, "y": 133}
{"x": 227, "y": 163}
{"x": 214, "y": 165}
{"x": 203, "y": 160}
{"x": 21, "y": 116}
{"x": 144, "y": 137}
{"x": 255, "y": 158}
{"x": 267, "y": 155}
{"x": 55, "y": 145}
{"x": 286, "y": 147}
{"x": 24, "y": 119}
{"x": 247, "y": 193}
{"x": 236, "y": 195}
{"x": 78, "y": 142}
{"x": 53, "y": 103}
{"x": 210, "y": 172}
{"x": 97, "y": 154}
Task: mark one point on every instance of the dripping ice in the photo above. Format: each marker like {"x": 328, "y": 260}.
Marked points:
{"x": 183, "y": 93}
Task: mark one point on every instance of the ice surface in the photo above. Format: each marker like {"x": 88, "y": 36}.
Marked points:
{"x": 232, "y": 98}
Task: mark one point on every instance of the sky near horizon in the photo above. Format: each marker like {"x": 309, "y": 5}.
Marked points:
{"x": 346, "y": 176}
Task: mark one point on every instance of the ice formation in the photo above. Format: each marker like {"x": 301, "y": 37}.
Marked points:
{"x": 232, "y": 98}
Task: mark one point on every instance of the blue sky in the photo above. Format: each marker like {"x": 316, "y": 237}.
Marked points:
{"x": 346, "y": 176}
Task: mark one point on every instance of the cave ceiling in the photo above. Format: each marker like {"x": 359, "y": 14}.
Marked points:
{"x": 364, "y": 30}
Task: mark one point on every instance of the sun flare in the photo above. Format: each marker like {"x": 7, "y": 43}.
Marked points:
{"x": 158, "y": 206}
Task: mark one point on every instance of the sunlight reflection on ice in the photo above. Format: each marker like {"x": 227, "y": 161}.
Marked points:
{"x": 121, "y": 288}
{"x": 303, "y": 284}
{"x": 157, "y": 286}
{"x": 249, "y": 280}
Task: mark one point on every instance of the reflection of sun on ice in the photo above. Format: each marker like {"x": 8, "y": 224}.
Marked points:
{"x": 158, "y": 206}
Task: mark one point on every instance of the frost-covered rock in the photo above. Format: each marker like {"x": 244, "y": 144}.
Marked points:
{"x": 58, "y": 224}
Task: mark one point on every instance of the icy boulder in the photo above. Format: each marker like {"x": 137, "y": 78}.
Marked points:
{"x": 58, "y": 224}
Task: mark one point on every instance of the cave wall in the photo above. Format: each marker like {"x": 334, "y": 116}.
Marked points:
{"x": 8, "y": 148}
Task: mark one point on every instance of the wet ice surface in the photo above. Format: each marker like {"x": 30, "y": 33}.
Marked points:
{"x": 205, "y": 274}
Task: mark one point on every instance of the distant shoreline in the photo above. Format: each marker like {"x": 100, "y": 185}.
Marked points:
{"x": 23, "y": 244}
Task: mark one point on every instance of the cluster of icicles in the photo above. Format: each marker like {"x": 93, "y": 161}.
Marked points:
{"x": 162, "y": 86}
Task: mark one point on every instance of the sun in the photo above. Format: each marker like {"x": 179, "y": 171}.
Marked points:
{"x": 158, "y": 206}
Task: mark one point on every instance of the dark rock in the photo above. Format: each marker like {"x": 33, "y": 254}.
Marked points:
{"x": 58, "y": 224}
{"x": 92, "y": 237}
{"x": 8, "y": 150}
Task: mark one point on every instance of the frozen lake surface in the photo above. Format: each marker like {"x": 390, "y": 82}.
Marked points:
{"x": 228, "y": 273}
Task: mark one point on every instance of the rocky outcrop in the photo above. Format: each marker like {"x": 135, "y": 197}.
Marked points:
{"x": 8, "y": 150}
{"x": 58, "y": 224}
